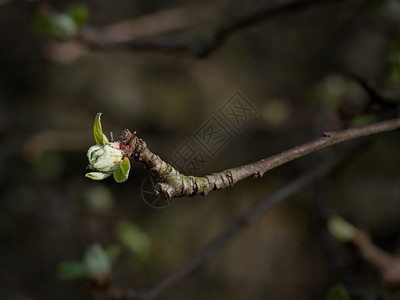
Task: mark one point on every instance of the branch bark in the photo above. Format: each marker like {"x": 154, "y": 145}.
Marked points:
{"x": 171, "y": 183}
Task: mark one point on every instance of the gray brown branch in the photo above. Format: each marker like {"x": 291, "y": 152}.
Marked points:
{"x": 381, "y": 101}
{"x": 196, "y": 44}
{"x": 171, "y": 183}
{"x": 386, "y": 264}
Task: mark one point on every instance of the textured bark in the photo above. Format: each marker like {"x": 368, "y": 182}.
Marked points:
{"x": 171, "y": 183}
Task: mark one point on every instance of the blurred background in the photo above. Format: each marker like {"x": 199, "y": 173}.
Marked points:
{"x": 303, "y": 72}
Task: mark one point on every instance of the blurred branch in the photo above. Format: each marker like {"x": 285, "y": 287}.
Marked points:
{"x": 377, "y": 96}
{"x": 164, "y": 21}
{"x": 385, "y": 263}
{"x": 383, "y": 100}
{"x": 171, "y": 183}
{"x": 197, "y": 45}
{"x": 221, "y": 240}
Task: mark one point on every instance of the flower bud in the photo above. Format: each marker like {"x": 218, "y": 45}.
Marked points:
{"x": 104, "y": 158}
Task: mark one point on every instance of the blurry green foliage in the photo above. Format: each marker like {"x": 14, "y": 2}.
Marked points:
{"x": 329, "y": 92}
{"x": 113, "y": 251}
{"x": 96, "y": 264}
{"x": 59, "y": 26}
{"x": 71, "y": 270}
{"x": 98, "y": 197}
{"x": 275, "y": 112}
{"x": 62, "y": 25}
{"x": 337, "y": 292}
{"x": 391, "y": 9}
{"x": 387, "y": 10}
{"x": 362, "y": 120}
{"x": 79, "y": 13}
{"x": 340, "y": 229}
{"x": 134, "y": 239}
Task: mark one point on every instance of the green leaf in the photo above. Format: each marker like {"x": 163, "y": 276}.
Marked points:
{"x": 96, "y": 262}
{"x": 99, "y": 136}
{"x": 97, "y": 175}
{"x": 64, "y": 26}
{"x": 71, "y": 270}
{"x": 122, "y": 172}
{"x": 60, "y": 26}
{"x": 113, "y": 251}
{"x": 134, "y": 239}
{"x": 79, "y": 13}
{"x": 43, "y": 24}
{"x": 340, "y": 229}
{"x": 337, "y": 292}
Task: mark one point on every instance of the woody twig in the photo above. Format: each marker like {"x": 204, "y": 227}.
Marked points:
{"x": 172, "y": 183}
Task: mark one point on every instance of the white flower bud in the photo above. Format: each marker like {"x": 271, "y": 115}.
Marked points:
{"x": 104, "y": 158}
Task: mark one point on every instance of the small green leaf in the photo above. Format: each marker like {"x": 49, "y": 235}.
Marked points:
{"x": 99, "y": 136}
{"x": 96, "y": 262}
{"x": 134, "y": 239}
{"x": 337, "y": 292}
{"x": 64, "y": 26}
{"x": 71, "y": 270}
{"x": 97, "y": 175}
{"x": 113, "y": 251}
{"x": 340, "y": 229}
{"x": 43, "y": 24}
{"x": 79, "y": 13}
{"x": 122, "y": 172}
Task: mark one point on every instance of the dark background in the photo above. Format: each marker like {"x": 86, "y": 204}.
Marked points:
{"x": 293, "y": 68}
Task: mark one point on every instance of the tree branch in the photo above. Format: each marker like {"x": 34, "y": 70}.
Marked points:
{"x": 386, "y": 264}
{"x": 171, "y": 183}
{"x": 379, "y": 98}
{"x": 196, "y": 45}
